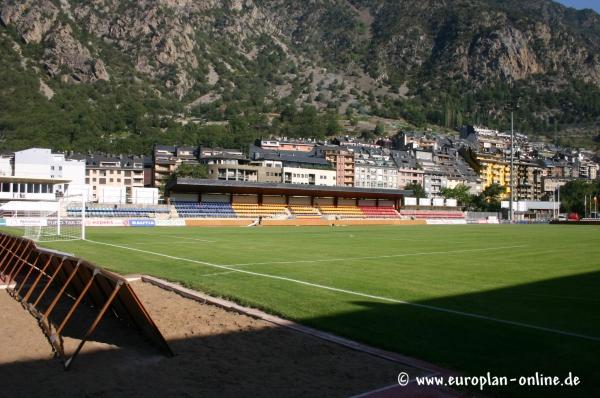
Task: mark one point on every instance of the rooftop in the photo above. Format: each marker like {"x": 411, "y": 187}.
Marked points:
{"x": 195, "y": 185}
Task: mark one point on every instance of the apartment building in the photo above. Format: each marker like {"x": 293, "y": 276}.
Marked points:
{"x": 408, "y": 169}
{"x": 528, "y": 181}
{"x": 374, "y": 168}
{"x": 166, "y": 159}
{"x": 114, "y": 175}
{"x": 494, "y": 170}
{"x": 297, "y": 167}
{"x": 39, "y": 174}
{"x": 342, "y": 160}
{"x": 433, "y": 183}
{"x": 287, "y": 145}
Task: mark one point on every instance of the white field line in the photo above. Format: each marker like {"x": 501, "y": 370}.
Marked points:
{"x": 218, "y": 273}
{"x": 324, "y": 260}
{"x": 186, "y": 244}
{"x": 359, "y": 294}
{"x": 194, "y": 239}
{"x": 180, "y": 237}
{"x": 382, "y": 389}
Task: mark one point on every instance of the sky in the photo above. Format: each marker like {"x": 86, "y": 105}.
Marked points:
{"x": 593, "y": 4}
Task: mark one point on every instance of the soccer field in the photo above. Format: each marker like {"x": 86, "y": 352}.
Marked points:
{"x": 508, "y": 299}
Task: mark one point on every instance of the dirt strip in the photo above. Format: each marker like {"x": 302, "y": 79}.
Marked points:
{"x": 218, "y": 353}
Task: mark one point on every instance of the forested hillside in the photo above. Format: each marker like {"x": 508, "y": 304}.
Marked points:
{"x": 122, "y": 75}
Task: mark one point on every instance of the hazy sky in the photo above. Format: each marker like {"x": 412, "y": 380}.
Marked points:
{"x": 593, "y": 4}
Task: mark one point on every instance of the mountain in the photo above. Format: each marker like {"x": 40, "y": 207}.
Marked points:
{"x": 121, "y": 75}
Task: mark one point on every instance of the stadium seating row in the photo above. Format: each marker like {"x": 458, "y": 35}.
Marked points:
{"x": 432, "y": 214}
{"x": 204, "y": 210}
{"x": 190, "y": 209}
{"x": 304, "y": 211}
{"x": 342, "y": 211}
{"x": 252, "y": 211}
{"x": 117, "y": 211}
{"x": 227, "y": 210}
{"x": 379, "y": 212}
{"x": 360, "y": 211}
{"x": 246, "y": 210}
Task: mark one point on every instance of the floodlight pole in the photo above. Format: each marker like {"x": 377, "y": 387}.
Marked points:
{"x": 58, "y": 221}
{"x": 554, "y": 204}
{"x": 557, "y": 198}
{"x": 511, "y": 215}
{"x": 559, "y": 201}
{"x": 83, "y": 216}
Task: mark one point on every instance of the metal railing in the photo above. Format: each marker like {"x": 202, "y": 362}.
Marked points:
{"x": 40, "y": 278}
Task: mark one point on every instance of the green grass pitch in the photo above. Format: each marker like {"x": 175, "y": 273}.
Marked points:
{"x": 509, "y": 299}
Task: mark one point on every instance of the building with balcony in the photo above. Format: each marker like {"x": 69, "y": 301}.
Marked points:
{"x": 409, "y": 171}
{"x": 244, "y": 172}
{"x": 414, "y": 141}
{"x": 433, "y": 183}
{"x": 410, "y": 176}
{"x": 529, "y": 181}
{"x": 39, "y": 174}
{"x": 296, "y": 167}
{"x": 166, "y": 159}
{"x": 106, "y": 174}
{"x": 494, "y": 170}
{"x": 304, "y": 176}
{"x": 550, "y": 185}
{"x": 30, "y": 188}
{"x": 374, "y": 168}
{"x": 492, "y": 141}
{"x": 287, "y": 145}
{"x": 342, "y": 160}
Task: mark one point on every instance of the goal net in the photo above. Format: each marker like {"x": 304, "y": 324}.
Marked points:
{"x": 47, "y": 221}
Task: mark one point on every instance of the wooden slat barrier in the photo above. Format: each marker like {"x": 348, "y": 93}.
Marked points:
{"x": 42, "y": 276}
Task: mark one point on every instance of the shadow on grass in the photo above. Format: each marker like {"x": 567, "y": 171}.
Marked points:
{"x": 475, "y": 346}
{"x": 268, "y": 362}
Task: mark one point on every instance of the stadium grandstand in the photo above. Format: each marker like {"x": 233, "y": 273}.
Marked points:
{"x": 120, "y": 210}
{"x": 433, "y": 214}
{"x": 198, "y": 202}
{"x": 198, "y": 198}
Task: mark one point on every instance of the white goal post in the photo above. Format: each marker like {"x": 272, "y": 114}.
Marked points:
{"x": 47, "y": 221}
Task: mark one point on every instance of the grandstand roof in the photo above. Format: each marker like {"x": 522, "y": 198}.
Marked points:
{"x": 289, "y": 158}
{"x": 19, "y": 179}
{"x": 195, "y": 185}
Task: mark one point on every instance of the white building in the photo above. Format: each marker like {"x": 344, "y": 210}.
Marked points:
{"x": 38, "y": 174}
{"x": 433, "y": 184}
{"x": 305, "y": 176}
{"x": 114, "y": 176}
{"x": 42, "y": 163}
{"x": 6, "y": 165}
{"x": 375, "y": 176}
{"x": 374, "y": 169}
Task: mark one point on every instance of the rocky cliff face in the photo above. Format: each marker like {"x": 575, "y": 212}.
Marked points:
{"x": 483, "y": 41}
{"x": 37, "y": 22}
{"x": 169, "y": 39}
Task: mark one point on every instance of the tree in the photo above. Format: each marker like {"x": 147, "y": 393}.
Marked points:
{"x": 418, "y": 190}
{"x": 493, "y": 192}
{"x": 367, "y": 135}
{"x": 573, "y": 193}
{"x": 379, "y": 129}
{"x": 187, "y": 170}
{"x": 460, "y": 193}
{"x": 489, "y": 199}
{"x": 332, "y": 127}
